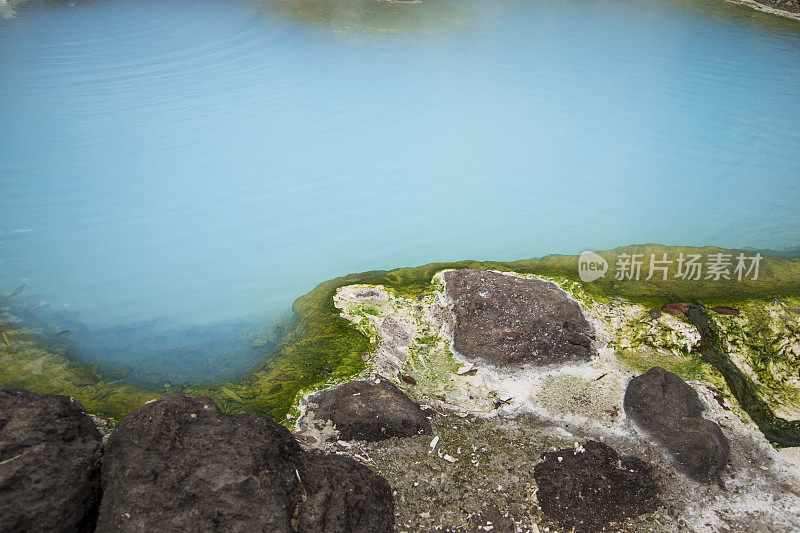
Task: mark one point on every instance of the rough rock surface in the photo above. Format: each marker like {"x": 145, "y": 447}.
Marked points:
{"x": 792, "y": 6}
{"x": 670, "y": 410}
{"x": 505, "y": 319}
{"x": 50, "y": 455}
{"x": 484, "y": 451}
{"x": 181, "y": 464}
{"x": 343, "y": 495}
{"x": 365, "y": 410}
{"x": 586, "y": 490}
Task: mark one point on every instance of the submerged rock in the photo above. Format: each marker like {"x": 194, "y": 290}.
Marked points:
{"x": 670, "y": 410}
{"x": 366, "y": 410}
{"x": 50, "y": 453}
{"x": 182, "y": 464}
{"x": 585, "y": 490}
{"x": 506, "y": 319}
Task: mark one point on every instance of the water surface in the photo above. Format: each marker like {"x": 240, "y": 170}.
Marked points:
{"x": 174, "y": 164}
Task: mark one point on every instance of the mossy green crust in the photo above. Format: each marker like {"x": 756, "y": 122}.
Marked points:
{"x": 712, "y": 349}
{"x": 320, "y": 347}
{"x": 764, "y": 342}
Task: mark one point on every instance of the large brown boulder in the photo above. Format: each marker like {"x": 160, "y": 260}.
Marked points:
{"x": 366, "y": 410}
{"x": 50, "y": 453}
{"x": 504, "y": 319}
{"x": 181, "y": 464}
{"x": 665, "y": 406}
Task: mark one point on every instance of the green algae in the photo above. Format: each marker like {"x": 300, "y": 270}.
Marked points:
{"x": 27, "y": 363}
{"x": 687, "y": 367}
{"x": 713, "y": 350}
{"x": 756, "y": 361}
{"x": 320, "y": 347}
{"x": 764, "y": 342}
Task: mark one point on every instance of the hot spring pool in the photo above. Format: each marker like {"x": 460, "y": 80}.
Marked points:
{"x": 171, "y": 171}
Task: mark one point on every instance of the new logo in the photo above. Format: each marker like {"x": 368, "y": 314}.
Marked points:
{"x": 591, "y": 266}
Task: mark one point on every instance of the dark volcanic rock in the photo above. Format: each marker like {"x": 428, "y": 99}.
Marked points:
{"x": 698, "y": 446}
{"x": 344, "y": 496}
{"x": 365, "y": 410}
{"x": 660, "y": 395}
{"x": 50, "y": 453}
{"x": 586, "y": 490}
{"x": 505, "y": 319}
{"x": 181, "y": 464}
{"x": 670, "y": 410}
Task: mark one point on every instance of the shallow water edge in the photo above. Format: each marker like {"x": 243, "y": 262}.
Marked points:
{"x": 319, "y": 348}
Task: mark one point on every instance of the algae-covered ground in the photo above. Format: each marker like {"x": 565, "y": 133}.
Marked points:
{"x": 320, "y": 347}
{"x": 491, "y": 424}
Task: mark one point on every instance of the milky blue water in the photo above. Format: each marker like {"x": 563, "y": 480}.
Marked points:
{"x": 205, "y": 161}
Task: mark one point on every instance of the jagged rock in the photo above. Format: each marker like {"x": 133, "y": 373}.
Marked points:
{"x": 505, "y": 319}
{"x": 181, "y": 464}
{"x": 365, "y": 410}
{"x": 670, "y": 410}
{"x": 50, "y": 453}
{"x": 585, "y": 490}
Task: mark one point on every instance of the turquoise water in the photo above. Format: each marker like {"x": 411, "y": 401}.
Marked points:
{"x": 202, "y": 161}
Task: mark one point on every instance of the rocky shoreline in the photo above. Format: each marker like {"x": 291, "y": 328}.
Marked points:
{"x": 782, "y": 8}
{"x": 176, "y": 464}
{"x": 520, "y": 411}
{"x": 324, "y": 345}
{"x": 181, "y": 464}
{"x": 488, "y": 401}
